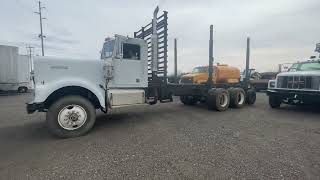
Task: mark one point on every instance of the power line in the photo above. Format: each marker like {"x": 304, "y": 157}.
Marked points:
{"x": 41, "y": 30}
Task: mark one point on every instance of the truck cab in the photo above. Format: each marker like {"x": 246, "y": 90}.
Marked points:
{"x": 126, "y": 62}
{"x": 300, "y": 85}
{"x": 126, "y": 71}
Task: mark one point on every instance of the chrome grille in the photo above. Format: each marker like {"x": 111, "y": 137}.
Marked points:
{"x": 298, "y": 82}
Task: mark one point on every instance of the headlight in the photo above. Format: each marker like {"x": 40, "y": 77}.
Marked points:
{"x": 272, "y": 84}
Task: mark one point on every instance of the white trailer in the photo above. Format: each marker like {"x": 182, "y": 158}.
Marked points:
{"x": 14, "y": 70}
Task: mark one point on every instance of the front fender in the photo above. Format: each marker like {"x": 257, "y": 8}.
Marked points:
{"x": 43, "y": 91}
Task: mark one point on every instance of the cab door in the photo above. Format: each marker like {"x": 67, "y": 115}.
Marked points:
{"x": 130, "y": 63}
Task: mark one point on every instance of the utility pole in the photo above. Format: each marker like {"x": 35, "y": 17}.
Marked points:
{"x": 29, "y": 50}
{"x": 30, "y": 53}
{"x": 41, "y": 30}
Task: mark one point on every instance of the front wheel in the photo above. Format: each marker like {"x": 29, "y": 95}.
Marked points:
{"x": 71, "y": 116}
{"x": 251, "y": 96}
{"x": 22, "y": 89}
{"x": 275, "y": 101}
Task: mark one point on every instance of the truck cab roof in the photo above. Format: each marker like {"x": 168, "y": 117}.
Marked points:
{"x": 311, "y": 65}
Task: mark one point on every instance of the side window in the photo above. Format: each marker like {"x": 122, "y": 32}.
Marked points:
{"x": 131, "y": 51}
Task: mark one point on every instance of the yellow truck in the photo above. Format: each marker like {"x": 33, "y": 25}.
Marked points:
{"x": 222, "y": 73}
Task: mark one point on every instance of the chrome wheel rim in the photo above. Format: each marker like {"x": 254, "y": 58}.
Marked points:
{"x": 240, "y": 98}
{"x": 223, "y": 100}
{"x": 72, "y": 117}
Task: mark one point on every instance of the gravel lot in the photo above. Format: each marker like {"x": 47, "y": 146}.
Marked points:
{"x": 165, "y": 141}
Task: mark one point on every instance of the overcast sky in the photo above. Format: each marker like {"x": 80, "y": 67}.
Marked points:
{"x": 281, "y": 30}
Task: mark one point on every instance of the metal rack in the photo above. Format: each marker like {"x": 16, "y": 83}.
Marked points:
{"x": 162, "y": 30}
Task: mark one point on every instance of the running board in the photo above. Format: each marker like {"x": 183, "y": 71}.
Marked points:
{"x": 166, "y": 100}
{"x": 128, "y": 105}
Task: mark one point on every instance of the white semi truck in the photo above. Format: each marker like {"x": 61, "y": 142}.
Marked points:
{"x": 14, "y": 70}
{"x": 131, "y": 71}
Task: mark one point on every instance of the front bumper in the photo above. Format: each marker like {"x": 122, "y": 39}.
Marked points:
{"x": 306, "y": 97}
{"x": 290, "y": 92}
{"x": 32, "y": 107}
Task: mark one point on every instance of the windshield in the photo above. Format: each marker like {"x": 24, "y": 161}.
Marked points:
{"x": 107, "y": 49}
{"x": 293, "y": 67}
{"x": 200, "y": 70}
{"x": 314, "y": 66}
{"x": 308, "y": 66}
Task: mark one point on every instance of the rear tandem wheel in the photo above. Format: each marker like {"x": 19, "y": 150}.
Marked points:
{"x": 188, "y": 100}
{"x": 237, "y": 97}
{"x": 218, "y": 99}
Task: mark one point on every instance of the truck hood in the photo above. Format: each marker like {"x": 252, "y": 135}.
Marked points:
{"x": 300, "y": 73}
{"x": 191, "y": 75}
{"x": 50, "y": 70}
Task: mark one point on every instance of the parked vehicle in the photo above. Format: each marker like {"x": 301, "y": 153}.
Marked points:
{"x": 300, "y": 85}
{"x": 14, "y": 70}
{"x": 253, "y": 74}
{"x": 222, "y": 73}
{"x": 259, "y": 81}
{"x": 132, "y": 71}
{"x": 261, "y": 84}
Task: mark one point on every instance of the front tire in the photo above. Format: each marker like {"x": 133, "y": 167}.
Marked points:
{"x": 275, "y": 101}
{"x": 22, "y": 89}
{"x": 71, "y": 116}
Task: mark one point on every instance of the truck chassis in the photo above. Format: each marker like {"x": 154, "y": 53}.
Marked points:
{"x": 190, "y": 94}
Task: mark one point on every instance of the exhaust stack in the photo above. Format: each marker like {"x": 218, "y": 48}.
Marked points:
{"x": 154, "y": 43}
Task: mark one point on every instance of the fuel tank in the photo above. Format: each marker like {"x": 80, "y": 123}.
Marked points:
{"x": 226, "y": 74}
{"x": 222, "y": 73}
